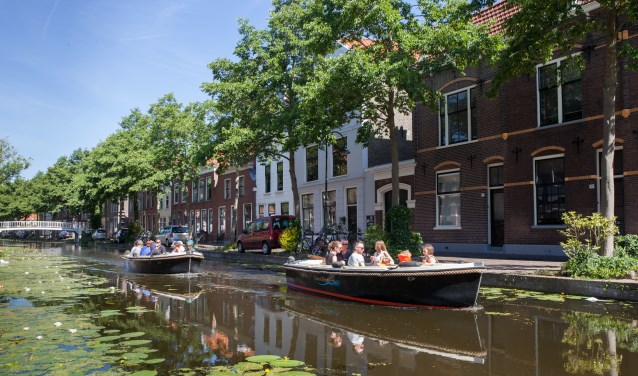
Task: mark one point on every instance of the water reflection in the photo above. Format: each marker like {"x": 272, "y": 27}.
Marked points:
{"x": 230, "y": 311}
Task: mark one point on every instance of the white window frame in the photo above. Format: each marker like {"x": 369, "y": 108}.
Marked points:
{"x": 559, "y": 93}
{"x": 469, "y": 118}
{"x": 247, "y": 214}
{"x": 534, "y": 203}
{"x": 439, "y": 226}
{"x": 241, "y": 186}
{"x": 221, "y": 223}
{"x": 226, "y": 189}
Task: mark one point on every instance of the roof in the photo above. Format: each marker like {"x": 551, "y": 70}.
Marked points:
{"x": 496, "y": 15}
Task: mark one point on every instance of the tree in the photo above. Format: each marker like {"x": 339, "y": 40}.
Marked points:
{"x": 260, "y": 96}
{"x": 540, "y": 28}
{"x": 392, "y": 50}
{"x": 11, "y": 163}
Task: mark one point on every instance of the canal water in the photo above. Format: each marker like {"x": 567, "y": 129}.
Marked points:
{"x": 181, "y": 324}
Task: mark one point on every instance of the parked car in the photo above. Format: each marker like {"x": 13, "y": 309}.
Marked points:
{"x": 63, "y": 235}
{"x": 120, "y": 236}
{"x": 99, "y": 234}
{"x": 263, "y": 233}
{"x": 170, "y": 234}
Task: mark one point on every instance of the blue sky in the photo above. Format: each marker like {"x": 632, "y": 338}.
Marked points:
{"x": 70, "y": 70}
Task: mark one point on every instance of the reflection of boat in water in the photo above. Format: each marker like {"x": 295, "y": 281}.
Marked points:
{"x": 154, "y": 290}
{"x": 439, "y": 285}
{"x": 164, "y": 264}
{"x": 451, "y": 334}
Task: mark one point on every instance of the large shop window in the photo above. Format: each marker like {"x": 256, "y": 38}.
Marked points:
{"x": 448, "y": 199}
{"x": 312, "y": 163}
{"x": 549, "y": 190}
{"x": 457, "y": 117}
{"x": 560, "y": 98}
{"x": 307, "y": 211}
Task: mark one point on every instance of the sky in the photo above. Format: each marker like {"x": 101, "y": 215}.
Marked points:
{"x": 70, "y": 70}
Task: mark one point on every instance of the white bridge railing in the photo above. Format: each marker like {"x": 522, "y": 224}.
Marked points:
{"x": 76, "y": 227}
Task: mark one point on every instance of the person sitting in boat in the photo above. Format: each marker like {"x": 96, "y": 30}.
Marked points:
{"x": 405, "y": 256}
{"x": 190, "y": 247}
{"x": 334, "y": 248}
{"x": 380, "y": 253}
{"x": 357, "y": 342}
{"x": 428, "y": 254}
{"x": 179, "y": 247}
{"x": 356, "y": 258}
{"x": 137, "y": 246}
{"x": 343, "y": 254}
{"x": 159, "y": 248}
{"x": 146, "y": 249}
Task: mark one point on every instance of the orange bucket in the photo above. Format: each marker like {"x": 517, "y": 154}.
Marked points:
{"x": 404, "y": 258}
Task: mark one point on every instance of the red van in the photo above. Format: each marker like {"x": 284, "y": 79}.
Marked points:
{"x": 263, "y": 233}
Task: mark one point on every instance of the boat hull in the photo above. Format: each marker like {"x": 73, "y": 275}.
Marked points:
{"x": 164, "y": 264}
{"x": 455, "y": 286}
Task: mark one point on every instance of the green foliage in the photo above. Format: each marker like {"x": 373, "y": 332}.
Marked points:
{"x": 290, "y": 238}
{"x": 397, "y": 228}
{"x": 11, "y": 163}
{"x": 627, "y": 244}
{"x": 585, "y": 234}
{"x": 135, "y": 229}
{"x": 372, "y": 235}
{"x": 592, "y": 265}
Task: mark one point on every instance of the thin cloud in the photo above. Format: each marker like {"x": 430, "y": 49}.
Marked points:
{"x": 49, "y": 17}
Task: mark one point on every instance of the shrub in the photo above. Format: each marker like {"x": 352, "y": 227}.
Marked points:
{"x": 397, "y": 226}
{"x": 289, "y": 238}
{"x": 585, "y": 234}
{"x": 627, "y": 244}
{"x": 372, "y": 234}
{"x": 593, "y": 265}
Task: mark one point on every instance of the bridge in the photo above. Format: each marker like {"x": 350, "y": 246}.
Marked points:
{"x": 74, "y": 226}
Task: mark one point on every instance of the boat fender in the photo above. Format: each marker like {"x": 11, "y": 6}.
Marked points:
{"x": 410, "y": 264}
{"x": 391, "y": 267}
{"x": 338, "y": 264}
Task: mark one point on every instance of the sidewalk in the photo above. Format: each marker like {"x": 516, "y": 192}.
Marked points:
{"x": 502, "y": 273}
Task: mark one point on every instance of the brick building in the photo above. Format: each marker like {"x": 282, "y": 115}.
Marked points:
{"x": 494, "y": 175}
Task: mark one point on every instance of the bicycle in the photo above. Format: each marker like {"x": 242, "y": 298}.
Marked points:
{"x": 310, "y": 242}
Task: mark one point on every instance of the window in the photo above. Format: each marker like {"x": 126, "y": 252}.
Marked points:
{"x": 285, "y": 208}
{"x": 272, "y": 210}
{"x": 457, "y": 117}
{"x": 331, "y": 206}
{"x": 184, "y": 192}
{"x": 205, "y": 220}
{"x": 248, "y": 214}
{"x": 549, "y": 189}
{"x": 560, "y": 97}
{"x": 209, "y": 188}
{"x": 280, "y": 176}
{"x": 194, "y": 191}
{"x": 260, "y": 209}
{"x": 211, "y": 214}
{"x": 340, "y": 157}
{"x": 167, "y": 200}
{"x": 312, "y": 163}
{"x": 226, "y": 188}
{"x": 176, "y": 191}
{"x": 221, "y": 230}
{"x": 233, "y": 220}
{"x": 201, "y": 190}
{"x": 240, "y": 186}
{"x": 448, "y": 199}
{"x": 307, "y": 211}
{"x": 351, "y": 212}
{"x": 267, "y": 178}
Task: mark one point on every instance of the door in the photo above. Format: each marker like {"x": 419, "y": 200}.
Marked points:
{"x": 497, "y": 216}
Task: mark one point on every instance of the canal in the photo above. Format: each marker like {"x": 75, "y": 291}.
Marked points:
{"x": 66, "y": 310}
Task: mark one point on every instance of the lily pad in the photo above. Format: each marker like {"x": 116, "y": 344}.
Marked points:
{"x": 108, "y": 338}
{"x": 136, "y": 342}
{"x": 111, "y": 331}
{"x": 296, "y": 373}
{"x": 133, "y": 334}
{"x": 145, "y": 373}
{"x": 154, "y": 361}
{"x": 262, "y": 358}
{"x": 286, "y": 363}
{"x": 134, "y": 355}
{"x": 248, "y": 366}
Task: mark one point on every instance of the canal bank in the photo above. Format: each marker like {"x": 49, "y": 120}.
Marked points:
{"x": 503, "y": 273}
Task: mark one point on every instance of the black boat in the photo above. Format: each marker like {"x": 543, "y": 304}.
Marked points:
{"x": 441, "y": 285}
{"x": 168, "y": 263}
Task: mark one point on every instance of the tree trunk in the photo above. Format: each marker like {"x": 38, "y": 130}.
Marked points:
{"x": 609, "y": 131}
{"x": 293, "y": 183}
{"x": 394, "y": 149}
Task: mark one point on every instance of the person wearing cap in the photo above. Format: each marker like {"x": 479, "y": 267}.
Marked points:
{"x": 190, "y": 246}
{"x": 179, "y": 247}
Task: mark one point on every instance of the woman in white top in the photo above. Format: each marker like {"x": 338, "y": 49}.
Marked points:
{"x": 380, "y": 253}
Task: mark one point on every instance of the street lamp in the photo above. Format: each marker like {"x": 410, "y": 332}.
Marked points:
{"x": 343, "y": 152}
